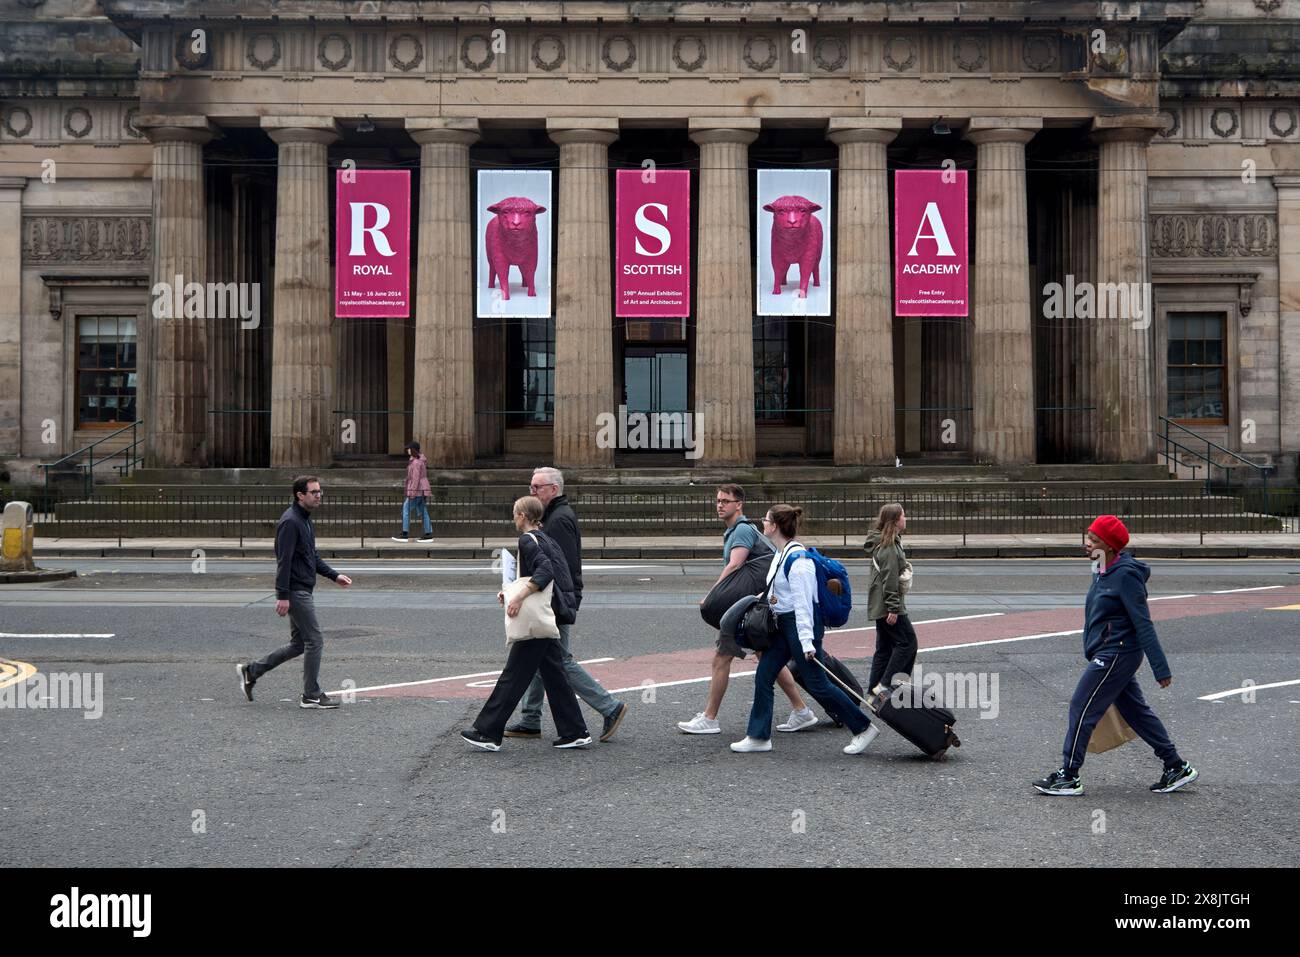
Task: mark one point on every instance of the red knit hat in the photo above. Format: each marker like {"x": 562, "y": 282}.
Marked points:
{"x": 1110, "y": 530}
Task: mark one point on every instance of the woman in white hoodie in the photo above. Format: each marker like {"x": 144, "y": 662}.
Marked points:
{"x": 794, "y": 599}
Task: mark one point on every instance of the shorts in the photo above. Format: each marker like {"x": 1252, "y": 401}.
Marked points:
{"x": 726, "y": 645}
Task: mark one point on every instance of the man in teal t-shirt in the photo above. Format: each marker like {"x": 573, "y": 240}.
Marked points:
{"x": 739, "y": 540}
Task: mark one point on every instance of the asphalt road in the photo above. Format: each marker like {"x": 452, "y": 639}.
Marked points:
{"x": 180, "y": 770}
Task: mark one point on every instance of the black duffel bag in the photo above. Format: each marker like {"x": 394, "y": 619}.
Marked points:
{"x": 750, "y": 578}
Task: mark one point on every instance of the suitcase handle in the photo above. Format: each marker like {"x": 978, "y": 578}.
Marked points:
{"x": 847, "y": 690}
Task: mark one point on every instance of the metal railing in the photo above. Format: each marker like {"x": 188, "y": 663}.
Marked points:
{"x": 1171, "y": 459}
{"x": 128, "y": 453}
{"x": 483, "y": 512}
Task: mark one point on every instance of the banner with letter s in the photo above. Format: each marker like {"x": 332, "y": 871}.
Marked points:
{"x": 372, "y": 260}
{"x": 931, "y": 261}
{"x": 653, "y": 244}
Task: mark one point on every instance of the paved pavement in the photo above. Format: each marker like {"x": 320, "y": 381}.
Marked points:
{"x": 180, "y": 770}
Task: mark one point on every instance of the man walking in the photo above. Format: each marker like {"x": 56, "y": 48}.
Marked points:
{"x": 297, "y": 565}
{"x": 739, "y": 542}
{"x": 561, "y": 525}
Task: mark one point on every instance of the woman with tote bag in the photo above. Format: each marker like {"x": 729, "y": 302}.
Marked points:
{"x": 891, "y": 577}
{"x": 535, "y": 602}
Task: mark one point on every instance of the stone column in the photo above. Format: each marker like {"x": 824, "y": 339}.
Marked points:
{"x": 11, "y": 313}
{"x": 1122, "y": 389}
{"x": 1002, "y": 347}
{"x": 172, "y": 380}
{"x": 302, "y": 377}
{"x": 724, "y": 292}
{"x": 864, "y": 312}
{"x": 584, "y": 338}
{"x": 444, "y": 293}
{"x": 1288, "y": 294}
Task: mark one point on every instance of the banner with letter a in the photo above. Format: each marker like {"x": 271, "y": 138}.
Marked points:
{"x": 372, "y": 261}
{"x": 653, "y": 243}
{"x": 931, "y": 262}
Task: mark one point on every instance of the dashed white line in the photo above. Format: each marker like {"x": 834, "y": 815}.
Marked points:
{"x": 430, "y": 681}
{"x": 14, "y": 634}
{"x": 1244, "y": 689}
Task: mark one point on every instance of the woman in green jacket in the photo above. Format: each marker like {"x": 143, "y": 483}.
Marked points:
{"x": 895, "y": 637}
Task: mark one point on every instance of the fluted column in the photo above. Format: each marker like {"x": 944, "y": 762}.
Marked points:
{"x": 1002, "y": 348}
{"x": 172, "y": 384}
{"x": 1288, "y": 285}
{"x": 584, "y": 341}
{"x": 444, "y": 293}
{"x": 864, "y": 313}
{"x": 724, "y": 293}
{"x": 1122, "y": 394}
{"x": 11, "y": 314}
{"x": 302, "y": 376}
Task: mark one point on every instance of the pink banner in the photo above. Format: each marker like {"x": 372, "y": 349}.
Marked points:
{"x": 372, "y": 262}
{"x": 930, "y": 243}
{"x": 653, "y": 241}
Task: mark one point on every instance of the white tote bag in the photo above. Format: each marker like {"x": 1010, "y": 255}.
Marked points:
{"x": 536, "y": 618}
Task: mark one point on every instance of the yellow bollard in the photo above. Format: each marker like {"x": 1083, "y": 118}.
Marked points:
{"x": 19, "y": 530}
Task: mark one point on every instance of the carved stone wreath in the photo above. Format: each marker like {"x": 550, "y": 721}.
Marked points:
{"x": 257, "y": 61}
{"x": 841, "y": 57}
{"x": 478, "y": 66}
{"x": 1175, "y": 124}
{"x": 185, "y": 54}
{"x": 325, "y": 60}
{"x": 557, "y": 61}
{"x": 620, "y": 65}
{"x": 895, "y": 58}
{"x": 1040, "y": 53}
{"x": 699, "y": 60}
{"x": 416, "y": 58}
{"x": 759, "y": 66}
{"x": 1276, "y": 127}
{"x": 969, "y": 54}
{"x": 128, "y": 123}
{"x": 1268, "y": 6}
{"x": 80, "y": 131}
{"x": 18, "y": 132}
{"x": 1214, "y": 122}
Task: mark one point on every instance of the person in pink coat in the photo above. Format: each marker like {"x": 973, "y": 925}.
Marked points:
{"x": 417, "y": 492}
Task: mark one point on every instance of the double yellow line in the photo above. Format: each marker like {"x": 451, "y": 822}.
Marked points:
{"x": 14, "y": 672}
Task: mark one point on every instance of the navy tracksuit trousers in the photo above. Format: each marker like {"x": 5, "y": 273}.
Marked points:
{"x": 1110, "y": 679}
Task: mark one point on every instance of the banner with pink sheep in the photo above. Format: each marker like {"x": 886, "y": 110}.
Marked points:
{"x": 652, "y": 230}
{"x": 372, "y": 252}
{"x": 931, "y": 265}
{"x": 514, "y": 243}
{"x": 794, "y": 242}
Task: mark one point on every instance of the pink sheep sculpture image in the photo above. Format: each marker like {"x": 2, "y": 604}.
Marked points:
{"x": 796, "y": 238}
{"x": 512, "y": 241}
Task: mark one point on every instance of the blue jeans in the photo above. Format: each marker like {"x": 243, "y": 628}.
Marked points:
{"x": 421, "y": 510}
{"x": 788, "y": 650}
{"x": 583, "y": 684}
{"x": 1109, "y": 679}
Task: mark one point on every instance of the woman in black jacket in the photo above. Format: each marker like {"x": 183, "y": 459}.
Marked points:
{"x": 541, "y": 562}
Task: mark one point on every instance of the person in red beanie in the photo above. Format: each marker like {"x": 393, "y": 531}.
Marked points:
{"x": 1117, "y": 634}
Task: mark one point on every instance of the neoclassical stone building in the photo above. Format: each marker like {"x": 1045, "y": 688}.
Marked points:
{"x": 1106, "y": 143}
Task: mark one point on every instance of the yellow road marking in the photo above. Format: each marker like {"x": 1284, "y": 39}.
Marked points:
{"x": 14, "y": 672}
{"x": 1286, "y": 608}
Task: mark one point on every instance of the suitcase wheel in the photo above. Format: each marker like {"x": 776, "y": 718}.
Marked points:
{"x": 940, "y": 755}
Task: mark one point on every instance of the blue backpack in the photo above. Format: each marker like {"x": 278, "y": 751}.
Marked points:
{"x": 834, "y": 594}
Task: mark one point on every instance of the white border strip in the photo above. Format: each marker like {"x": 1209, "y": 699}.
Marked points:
{"x": 431, "y": 681}
{"x": 1244, "y": 689}
{"x": 14, "y": 634}
{"x": 1229, "y": 591}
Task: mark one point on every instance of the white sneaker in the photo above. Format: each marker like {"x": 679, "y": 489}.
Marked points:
{"x": 700, "y": 725}
{"x": 751, "y": 744}
{"x": 860, "y": 741}
{"x": 799, "y": 720}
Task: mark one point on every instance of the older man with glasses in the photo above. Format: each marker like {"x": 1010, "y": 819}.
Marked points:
{"x": 561, "y": 525}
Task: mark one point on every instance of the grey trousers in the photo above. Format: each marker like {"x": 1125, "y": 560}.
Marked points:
{"x": 305, "y": 639}
{"x": 584, "y": 686}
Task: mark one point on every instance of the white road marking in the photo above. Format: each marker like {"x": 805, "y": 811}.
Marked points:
{"x": 929, "y": 621}
{"x": 1171, "y": 597}
{"x": 430, "y": 681}
{"x": 1246, "y": 688}
{"x": 1228, "y": 591}
{"x": 14, "y": 634}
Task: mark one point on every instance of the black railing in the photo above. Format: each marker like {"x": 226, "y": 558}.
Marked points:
{"x": 128, "y": 453}
{"x": 1168, "y": 443}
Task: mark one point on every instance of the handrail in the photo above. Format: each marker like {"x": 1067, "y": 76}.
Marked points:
{"x": 90, "y": 479}
{"x": 1261, "y": 471}
{"x": 1178, "y": 425}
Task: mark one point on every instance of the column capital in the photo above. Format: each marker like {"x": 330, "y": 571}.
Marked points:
{"x": 1002, "y": 129}
{"x": 1126, "y": 129}
{"x": 564, "y": 130}
{"x": 165, "y": 128}
{"x": 456, "y": 131}
{"x": 301, "y": 129}
{"x": 1288, "y": 182}
{"x": 738, "y": 129}
{"x": 871, "y": 129}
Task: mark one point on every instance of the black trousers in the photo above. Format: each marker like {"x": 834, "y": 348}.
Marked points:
{"x": 895, "y": 650}
{"x": 528, "y": 658}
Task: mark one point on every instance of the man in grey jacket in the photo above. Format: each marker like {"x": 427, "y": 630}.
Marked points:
{"x": 561, "y": 526}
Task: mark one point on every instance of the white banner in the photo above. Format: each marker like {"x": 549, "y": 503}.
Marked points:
{"x": 794, "y": 242}
{"x": 514, "y": 243}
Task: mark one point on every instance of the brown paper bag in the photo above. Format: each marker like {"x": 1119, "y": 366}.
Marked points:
{"x": 1111, "y": 732}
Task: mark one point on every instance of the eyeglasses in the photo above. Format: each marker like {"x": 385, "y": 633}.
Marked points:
{"x": 728, "y": 501}
{"x": 315, "y": 491}
{"x": 538, "y": 488}
{"x": 766, "y": 520}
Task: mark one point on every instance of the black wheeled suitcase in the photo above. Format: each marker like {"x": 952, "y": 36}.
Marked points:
{"x": 928, "y": 727}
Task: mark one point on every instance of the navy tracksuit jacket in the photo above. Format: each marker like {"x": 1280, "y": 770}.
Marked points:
{"x": 1117, "y": 632}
